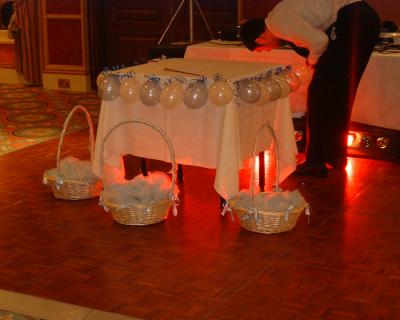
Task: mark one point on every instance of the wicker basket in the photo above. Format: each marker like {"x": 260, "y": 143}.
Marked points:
{"x": 73, "y": 189}
{"x": 258, "y": 220}
{"x": 140, "y": 213}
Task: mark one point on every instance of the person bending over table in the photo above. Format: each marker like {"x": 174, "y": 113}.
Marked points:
{"x": 337, "y": 37}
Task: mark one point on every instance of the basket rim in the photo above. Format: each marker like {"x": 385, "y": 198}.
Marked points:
{"x": 109, "y": 203}
{"x": 300, "y": 208}
{"x": 277, "y": 213}
{"x": 52, "y": 178}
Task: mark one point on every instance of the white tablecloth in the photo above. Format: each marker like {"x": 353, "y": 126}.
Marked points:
{"x": 211, "y": 137}
{"x": 378, "y": 97}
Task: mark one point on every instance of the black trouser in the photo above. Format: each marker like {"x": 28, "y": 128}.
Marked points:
{"x": 336, "y": 77}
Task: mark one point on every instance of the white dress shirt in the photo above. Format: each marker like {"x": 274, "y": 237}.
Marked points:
{"x": 304, "y": 22}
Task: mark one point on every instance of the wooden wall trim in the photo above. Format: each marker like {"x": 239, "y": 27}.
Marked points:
{"x": 54, "y": 68}
{"x": 50, "y": 57}
{"x": 64, "y": 16}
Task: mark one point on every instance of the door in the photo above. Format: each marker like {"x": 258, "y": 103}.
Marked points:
{"x": 122, "y": 31}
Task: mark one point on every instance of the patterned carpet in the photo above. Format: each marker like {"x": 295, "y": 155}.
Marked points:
{"x": 7, "y": 315}
{"x": 30, "y": 115}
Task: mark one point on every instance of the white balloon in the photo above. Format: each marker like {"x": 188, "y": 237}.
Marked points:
{"x": 129, "y": 90}
{"x": 249, "y": 91}
{"x": 303, "y": 72}
{"x": 265, "y": 93}
{"x": 172, "y": 95}
{"x": 100, "y": 78}
{"x": 285, "y": 88}
{"x": 220, "y": 93}
{"x": 273, "y": 87}
{"x": 195, "y": 95}
{"x": 150, "y": 92}
{"x": 293, "y": 80}
{"x": 108, "y": 89}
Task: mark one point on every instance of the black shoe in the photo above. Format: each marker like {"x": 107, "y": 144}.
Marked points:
{"x": 311, "y": 170}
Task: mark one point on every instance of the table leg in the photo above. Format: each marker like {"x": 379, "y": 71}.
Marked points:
{"x": 222, "y": 202}
{"x": 180, "y": 173}
{"x": 261, "y": 171}
{"x": 143, "y": 169}
{"x": 143, "y": 166}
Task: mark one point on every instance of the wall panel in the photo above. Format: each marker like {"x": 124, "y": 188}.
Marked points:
{"x": 65, "y": 53}
{"x": 65, "y": 48}
{"x": 387, "y": 9}
{"x": 63, "y": 7}
{"x": 64, "y": 42}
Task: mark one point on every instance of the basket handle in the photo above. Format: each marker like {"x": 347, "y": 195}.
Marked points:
{"x": 159, "y": 130}
{"x": 276, "y": 151}
{"x": 64, "y": 130}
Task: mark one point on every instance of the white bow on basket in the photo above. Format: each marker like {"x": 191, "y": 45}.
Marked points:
{"x": 267, "y": 212}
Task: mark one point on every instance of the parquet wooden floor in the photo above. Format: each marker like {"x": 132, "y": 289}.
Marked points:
{"x": 345, "y": 264}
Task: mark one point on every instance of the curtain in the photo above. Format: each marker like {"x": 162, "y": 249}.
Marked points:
{"x": 28, "y": 41}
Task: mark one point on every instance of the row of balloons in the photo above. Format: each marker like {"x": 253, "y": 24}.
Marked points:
{"x": 256, "y": 91}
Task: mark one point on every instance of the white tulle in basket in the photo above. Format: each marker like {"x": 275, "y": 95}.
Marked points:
{"x": 72, "y": 168}
{"x": 154, "y": 187}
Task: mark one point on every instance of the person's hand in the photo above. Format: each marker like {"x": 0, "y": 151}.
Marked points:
{"x": 312, "y": 59}
{"x": 309, "y": 65}
{"x": 263, "y": 48}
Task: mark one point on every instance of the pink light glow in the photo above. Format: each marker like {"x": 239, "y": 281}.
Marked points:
{"x": 350, "y": 168}
{"x": 350, "y": 139}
